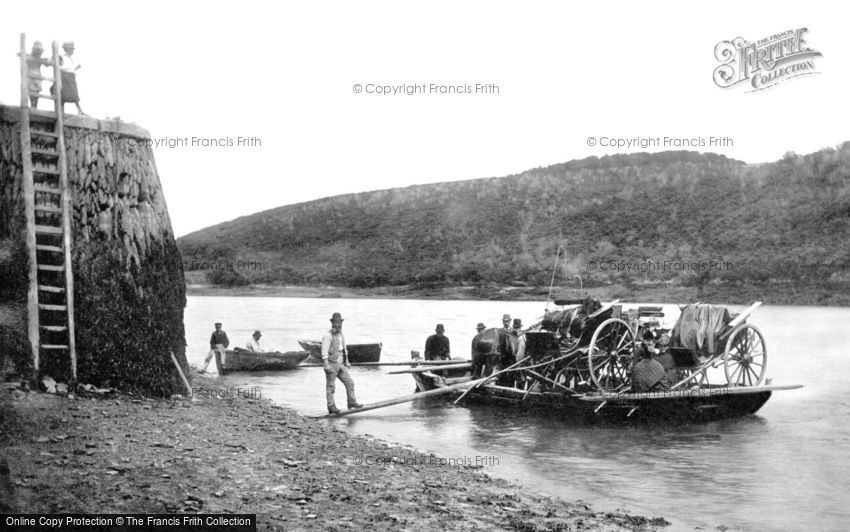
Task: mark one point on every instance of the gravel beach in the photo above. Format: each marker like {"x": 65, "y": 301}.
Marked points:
{"x": 123, "y": 453}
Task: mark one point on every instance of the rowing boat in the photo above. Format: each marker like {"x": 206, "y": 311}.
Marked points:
{"x": 243, "y": 360}
{"x": 357, "y": 353}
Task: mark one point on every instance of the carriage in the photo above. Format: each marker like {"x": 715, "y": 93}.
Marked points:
{"x": 579, "y": 358}
{"x": 586, "y": 346}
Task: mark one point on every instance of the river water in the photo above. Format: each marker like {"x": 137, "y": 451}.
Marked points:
{"x": 785, "y": 468}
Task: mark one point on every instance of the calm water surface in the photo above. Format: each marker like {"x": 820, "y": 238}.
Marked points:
{"x": 785, "y": 468}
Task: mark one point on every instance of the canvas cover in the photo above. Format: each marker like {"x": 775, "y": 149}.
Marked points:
{"x": 698, "y": 327}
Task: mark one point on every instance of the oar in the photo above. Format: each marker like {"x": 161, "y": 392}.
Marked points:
{"x": 405, "y": 399}
{"x": 411, "y": 363}
{"x": 430, "y": 368}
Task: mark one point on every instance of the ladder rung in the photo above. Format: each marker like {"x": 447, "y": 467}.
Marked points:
{"x": 43, "y": 133}
{"x": 39, "y": 151}
{"x": 48, "y": 96}
{"x": 44, "y": 247}
{"x": 51, "y": 268}
{"x": 46, "y": 188}
{"x": 54, "y": 289}
{"x": 43, "y": 170}
{"x": 56, "y": 328}
{"x": 48, "y": 208}
{"x": 51, "y": 307}
{"x": 53, "y": 346}
{"x": 40, "y": 78}
{"x": 48, "y": 229}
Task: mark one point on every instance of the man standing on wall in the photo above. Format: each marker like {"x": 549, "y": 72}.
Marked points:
{"x": 68, "y": 70}
{"x": 336, "y": 365}
{"x": 218, "y": 340}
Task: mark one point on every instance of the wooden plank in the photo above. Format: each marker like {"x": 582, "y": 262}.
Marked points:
{"x": 51, "y": 307}
{"x": 29, "y": 210}
{"x": 44, "y": 247}
{"x": 54, "y": 346}
{"x": 66, "y": 213}
{"x": 45, "y": 188}
{"x": 43, "y": 133}
{"x": 46, "y": 171}
{"x": 180, "y": 371}
{"x": 54, "y": 328}
{"x": 41, "y": 151}
{"x": 430, "y": 368}
{"x": 48, "y": 230}
{"x": 50, "y": 268}
{"x": 46, "y": 288}
{"x": 744, "y": 314}
{"x": 48, "y": 208}
{"x": 407, "y": 398}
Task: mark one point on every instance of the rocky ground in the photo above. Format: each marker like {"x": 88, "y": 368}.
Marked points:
{"x": 121, "y": 453}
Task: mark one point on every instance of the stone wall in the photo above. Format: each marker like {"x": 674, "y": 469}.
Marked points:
{"x": 129, "y": 289}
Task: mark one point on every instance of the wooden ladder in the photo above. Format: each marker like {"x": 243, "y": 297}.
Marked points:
{"x": 47, "y": 202}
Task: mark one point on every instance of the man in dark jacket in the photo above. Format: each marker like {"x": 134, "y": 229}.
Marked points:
{"x": 218, "y": 340}
{"x": 437, "y": 345}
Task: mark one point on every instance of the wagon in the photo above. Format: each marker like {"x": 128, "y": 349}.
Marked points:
{"x": 593, "y": 347}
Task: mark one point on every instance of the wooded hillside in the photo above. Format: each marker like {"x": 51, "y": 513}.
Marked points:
{"x": 776, "y": 223}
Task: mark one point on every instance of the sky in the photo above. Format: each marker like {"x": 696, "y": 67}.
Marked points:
{"x": 283, "y": 76}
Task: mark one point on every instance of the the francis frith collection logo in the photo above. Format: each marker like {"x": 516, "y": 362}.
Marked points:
{"x": 765, "y": 63}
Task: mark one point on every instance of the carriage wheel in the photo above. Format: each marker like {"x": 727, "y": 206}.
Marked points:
{"x": 611, "y": 354}
{"x": 745, "y": 358}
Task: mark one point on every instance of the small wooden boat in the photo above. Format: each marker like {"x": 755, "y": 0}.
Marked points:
{"x": 432, "y": 378}
{"x": 243, "y": 360}
{"x": 357, "y": 353}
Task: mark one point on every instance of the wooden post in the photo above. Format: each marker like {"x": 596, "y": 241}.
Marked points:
{"x": 66, "y": 207}
{"x": 29, "y": 210}
{"x": 180, "y": 371}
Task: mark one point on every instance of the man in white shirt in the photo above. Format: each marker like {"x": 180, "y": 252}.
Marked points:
{"x": 335, "y": 362}
{"x": 68, "y": 71}
{"x": 254, "y": 343}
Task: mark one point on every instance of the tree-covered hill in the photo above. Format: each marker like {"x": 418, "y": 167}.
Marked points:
{"x": 786, "y": 222}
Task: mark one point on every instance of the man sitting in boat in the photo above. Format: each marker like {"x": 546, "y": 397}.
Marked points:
{"x": 254, "y": 343}
{"x": 437, "y": 345}
{"x": 648, "y": 375}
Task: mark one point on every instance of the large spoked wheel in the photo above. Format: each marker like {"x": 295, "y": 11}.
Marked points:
{"x": 610, "y": 355}
{"x": 745, "y": 358}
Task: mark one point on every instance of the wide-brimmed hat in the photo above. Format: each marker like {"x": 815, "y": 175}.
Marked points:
{"x": 480, "y": 326}
{"x": 517, "y": 323}
{"x": 336, "y": 317}
{"x": 217, "y": 324}
{"x": 68, "y": 44}
{"x": 506, "y": 317}
{"x": 440, "y": 327}
{"x": 37, "y": 45}
{"x": 257, "y": 333}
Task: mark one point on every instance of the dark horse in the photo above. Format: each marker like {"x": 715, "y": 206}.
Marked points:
{"x": 493, "y": 350}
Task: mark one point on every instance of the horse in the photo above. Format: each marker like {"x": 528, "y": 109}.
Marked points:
{"x": 492, "y": 350}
